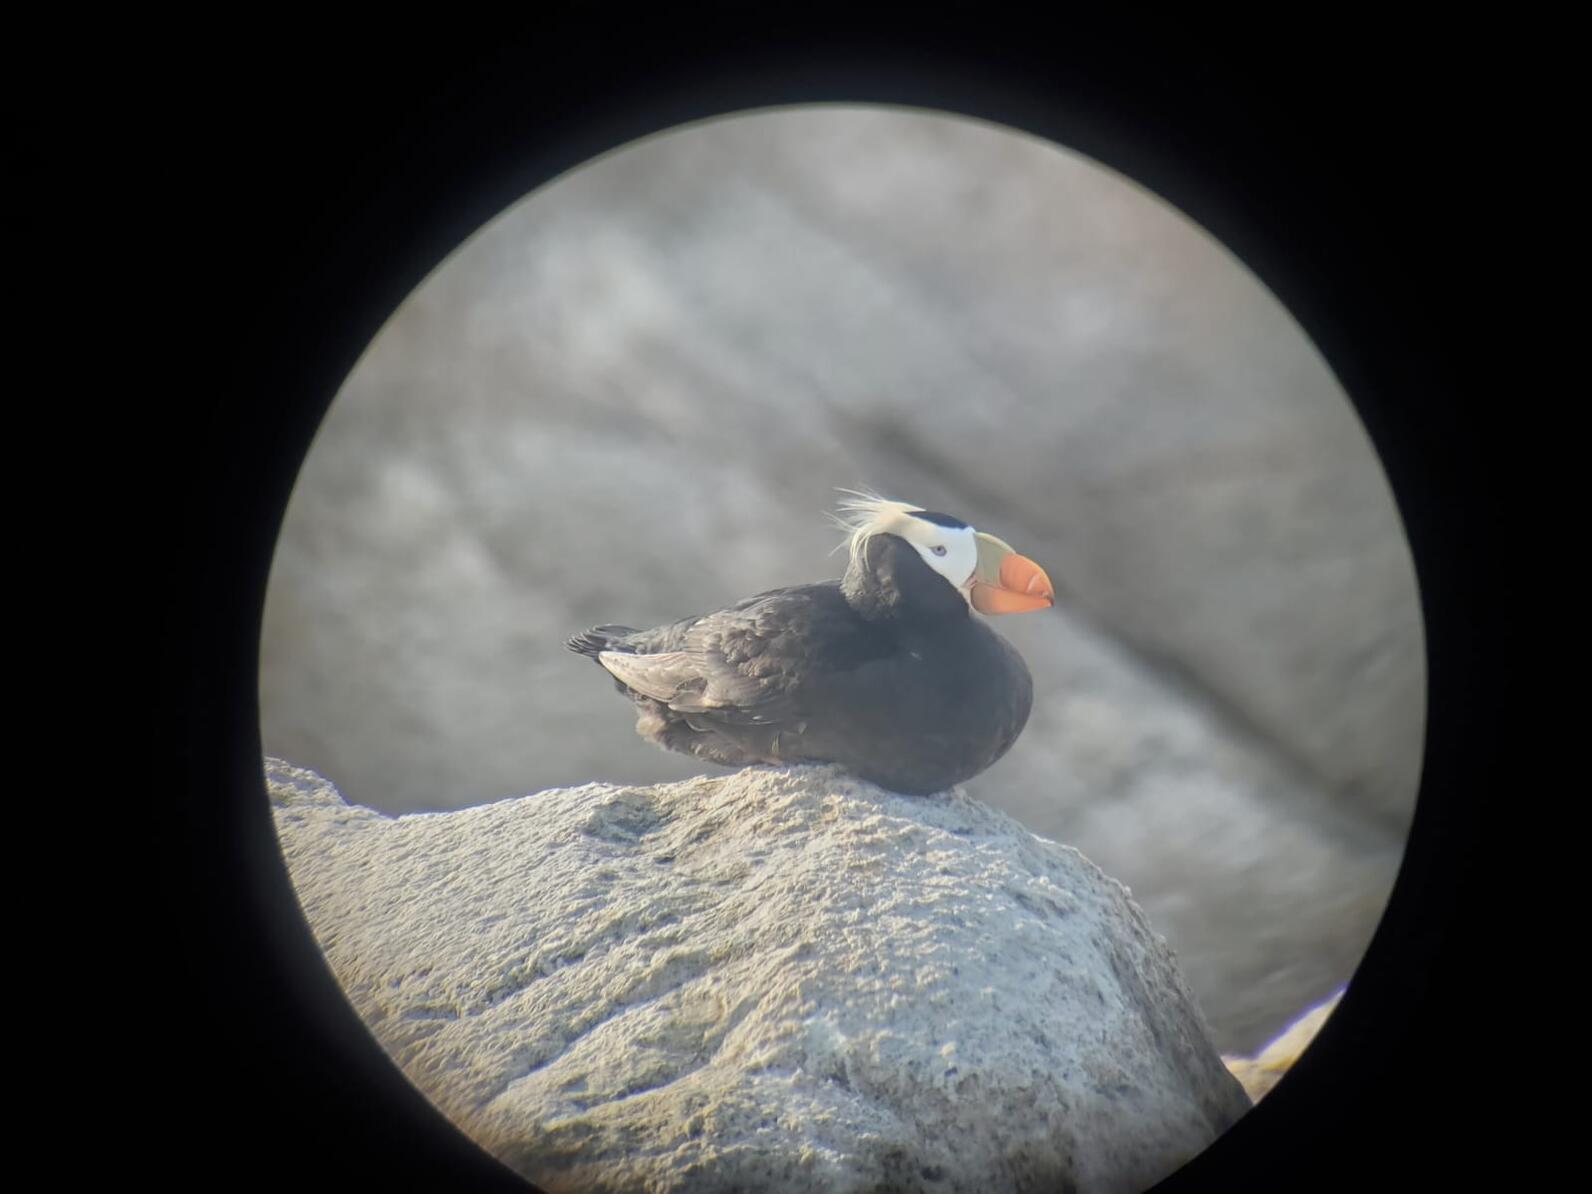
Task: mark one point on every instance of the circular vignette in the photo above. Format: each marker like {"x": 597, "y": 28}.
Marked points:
{"x": 328, "y": 322}
{"x": 720, "y": 323}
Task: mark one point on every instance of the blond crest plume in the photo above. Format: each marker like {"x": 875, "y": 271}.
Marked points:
{"x": 865, "y": 514}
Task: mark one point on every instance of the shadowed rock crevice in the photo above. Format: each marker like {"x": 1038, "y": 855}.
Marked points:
{"x": 827, "y": 987}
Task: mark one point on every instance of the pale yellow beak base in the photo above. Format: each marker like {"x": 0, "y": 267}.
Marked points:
{"x": 1022, "y": 586}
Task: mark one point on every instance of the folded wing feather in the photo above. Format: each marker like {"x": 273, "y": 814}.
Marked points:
{"x": 720, "y": 670}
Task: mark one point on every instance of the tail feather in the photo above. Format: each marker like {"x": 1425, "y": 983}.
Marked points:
{"x": 597, "y": 639}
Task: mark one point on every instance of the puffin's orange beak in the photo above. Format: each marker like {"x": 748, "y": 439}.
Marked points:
{"x": 1023, "y": 586}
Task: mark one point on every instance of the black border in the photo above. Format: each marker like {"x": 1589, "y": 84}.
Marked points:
{"x": 314, "y": 188}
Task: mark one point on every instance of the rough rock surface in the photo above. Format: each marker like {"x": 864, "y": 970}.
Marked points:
{"x": 777, "y": 979}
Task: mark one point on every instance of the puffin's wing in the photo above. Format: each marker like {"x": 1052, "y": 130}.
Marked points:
{"x": 738, "y": 666}
{"x": 689, "y": 682}
{"x": 665, "y": 677}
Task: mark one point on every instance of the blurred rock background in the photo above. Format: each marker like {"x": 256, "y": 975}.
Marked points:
{"x": 632, "y": 396}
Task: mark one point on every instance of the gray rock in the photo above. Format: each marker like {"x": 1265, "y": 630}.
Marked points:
{"x": 779, "y": 979}
{"x": 1268, "y": 892}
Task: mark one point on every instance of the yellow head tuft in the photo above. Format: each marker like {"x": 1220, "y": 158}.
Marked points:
{"x": 865, "y": 514}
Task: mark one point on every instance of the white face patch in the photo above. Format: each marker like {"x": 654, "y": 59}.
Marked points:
{"x": 950, "y": 551}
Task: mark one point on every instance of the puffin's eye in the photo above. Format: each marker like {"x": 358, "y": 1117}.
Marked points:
{"x": 938, "y": 549}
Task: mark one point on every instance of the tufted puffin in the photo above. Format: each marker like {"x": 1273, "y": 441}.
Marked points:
{"x": 884, "y": 672}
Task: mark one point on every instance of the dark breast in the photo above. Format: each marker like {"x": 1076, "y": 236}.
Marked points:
{"x": 929, "y": 712}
